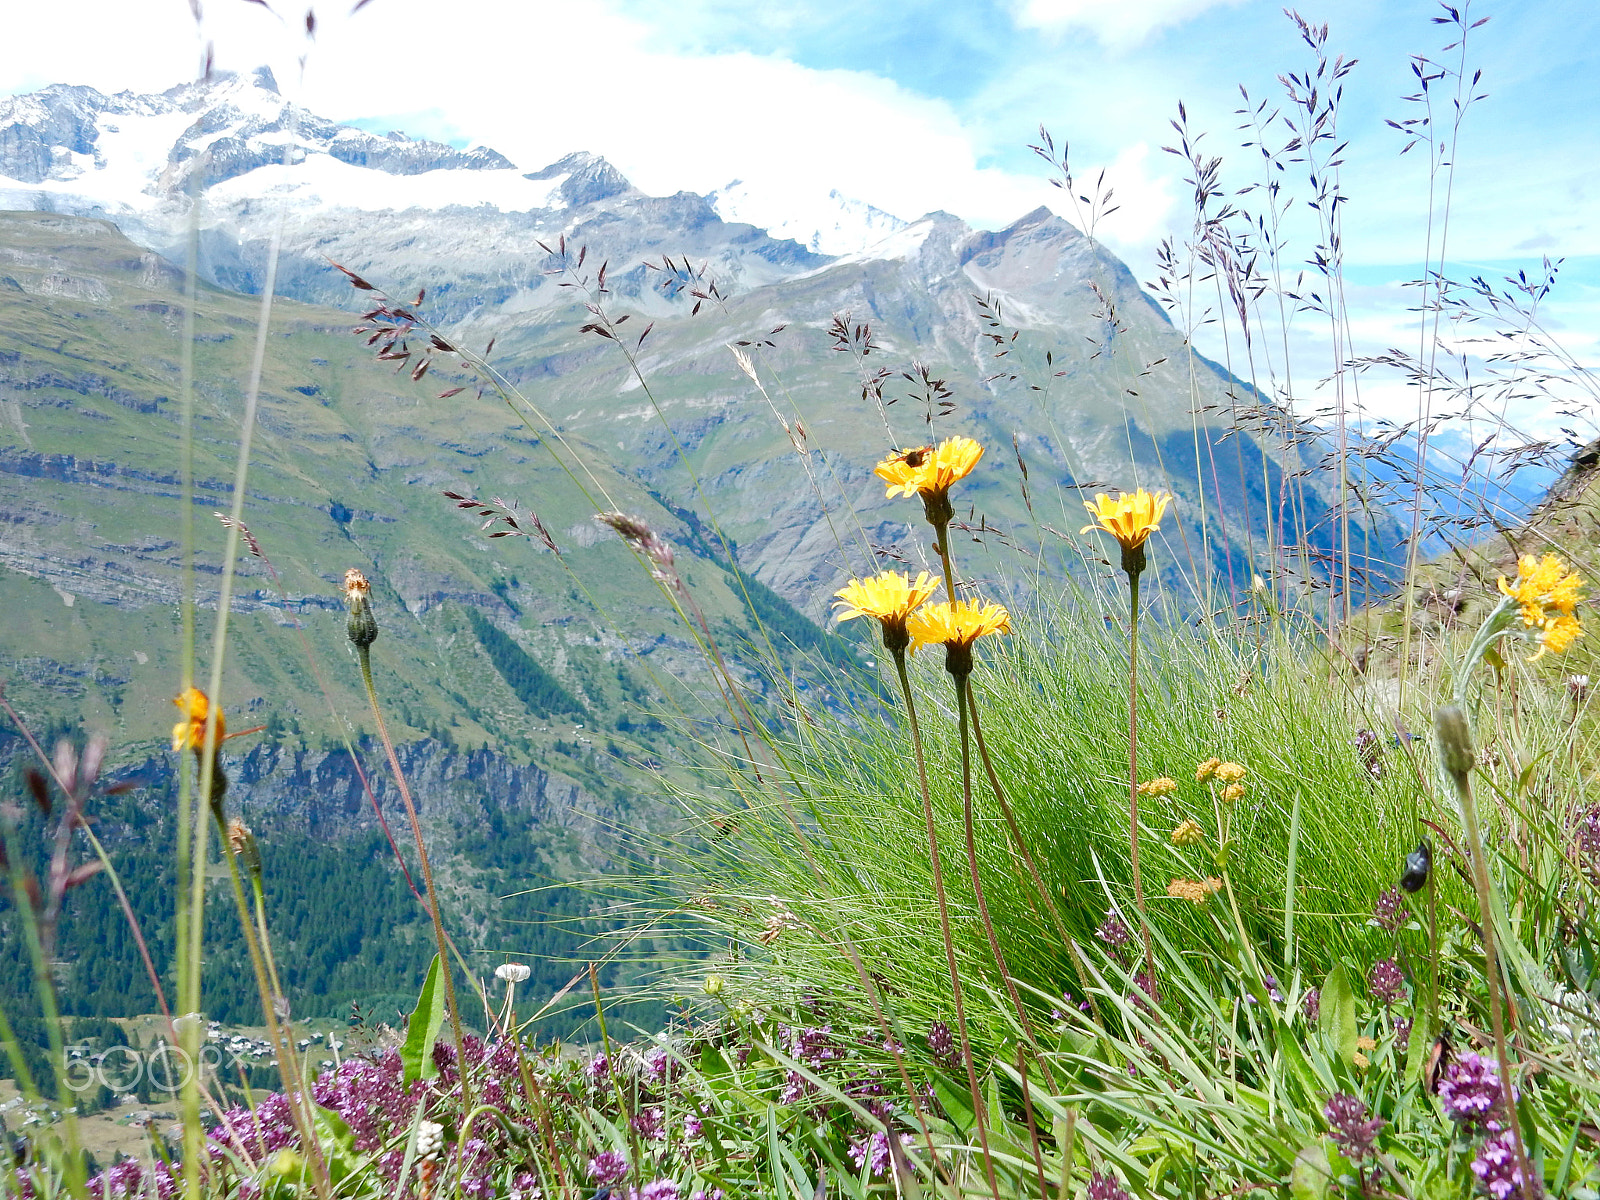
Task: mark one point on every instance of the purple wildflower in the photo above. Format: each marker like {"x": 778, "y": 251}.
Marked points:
{"x": 1311, "y": 1003}
{"x": 1386, "y": 982}
{"x": 1496, "y": 1168}
{"x": 1272, "y": 989}
{"x": 1148, "y": 991}
{"x": 1105, "y": 1187}
{"x": 1391, "y": 912}
{"x": 692, "y": 1127}
{"x": 1352, "y": 1129}
{"x": 650, "y": 1124}
{"x": 598, "y": 1069}
{"x": 1371, "y": 751}
{"x": 1114, "y": 932}
{"x": 1402, "y": 1035}
{"x": 660, "y": 1189}
{"x": 607, "y": 1167}
{"x": 715, "y": 1193}
{"x": 1470, "y": 1090}
{"x": 873, "y": 1152}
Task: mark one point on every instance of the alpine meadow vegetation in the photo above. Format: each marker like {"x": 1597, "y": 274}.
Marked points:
{"x": 1131, "y": 868}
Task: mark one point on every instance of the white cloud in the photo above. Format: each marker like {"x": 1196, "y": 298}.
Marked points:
{"x": 1122, "y": 24}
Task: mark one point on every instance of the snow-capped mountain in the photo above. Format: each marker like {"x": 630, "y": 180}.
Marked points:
{"x": 129, "y": 158}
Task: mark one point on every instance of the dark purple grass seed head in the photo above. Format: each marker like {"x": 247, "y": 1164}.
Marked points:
{"x": 1402, "y": 1036}
{"x": 1353, "y": 1130}
{"x": 1311, "y": 1003}
{"x": 1386, "y": 982}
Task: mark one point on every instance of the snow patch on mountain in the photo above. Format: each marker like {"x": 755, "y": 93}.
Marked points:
{"x": 830, "y": 223}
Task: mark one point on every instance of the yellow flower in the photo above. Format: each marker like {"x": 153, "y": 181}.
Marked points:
{"x": 190, "y": 733}
{"x": 1130, "y": 518}
{"x": 958, "y": 624}
{"x": 1195, "y": 891}
{"x": 928, "y": 470}
{"x": 1228, "y": 772}
{"x": 1547, "y": 593}
{"x": 1233, "y": 792}
{"x": 890, "y": 598}
{"x": 1360, "y": 1059}
{"x": 1188, "y": 833}
{"x": 1366, "y": 1043}
{"x": 1159, "y": 786}
{"x": 1203, "y": 771}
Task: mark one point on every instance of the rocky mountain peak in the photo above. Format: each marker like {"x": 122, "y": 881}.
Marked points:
{"x": 589, "y": 178}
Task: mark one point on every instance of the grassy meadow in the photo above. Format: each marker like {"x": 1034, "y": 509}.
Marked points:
{"x": 1117, "y": 864}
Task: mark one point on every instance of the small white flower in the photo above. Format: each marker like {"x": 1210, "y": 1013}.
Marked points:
{"x": 512, "y": 972}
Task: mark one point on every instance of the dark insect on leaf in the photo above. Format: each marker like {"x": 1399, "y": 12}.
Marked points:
{"x": 39, "y": 790}
{"x": 1438, "y": 1060}
{"x": 1418, "y": 863}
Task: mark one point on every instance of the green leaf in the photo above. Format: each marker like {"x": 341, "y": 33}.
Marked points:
{"x": 956, "y": 1102}
{"x": 1311, "y": 1174}
{"x": 1337, "y": 1021}
{"x": 423, "y": 1028}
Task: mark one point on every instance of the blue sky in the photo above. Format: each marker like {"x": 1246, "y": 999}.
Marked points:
{"x": 916, "y": 105}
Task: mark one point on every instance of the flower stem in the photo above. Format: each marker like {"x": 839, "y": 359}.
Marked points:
{"x": 1133, "y": 773}
{"x": 964, "y": 705}
{"x": 1480, "y": 880}
{"x": 978, "y": 1109}
{"x": 427, "y": 878}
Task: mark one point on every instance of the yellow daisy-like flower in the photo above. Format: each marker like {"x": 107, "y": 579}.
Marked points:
{"x": 958, "y": 624}
{"x": 1160, "y": 786}
{"x": 929, "y": 470}
{"x": 1547, "y": 593}
{"x": 1130, "y": 518}
{"x": 889, "y": 598}
{"x": 1203, "y": 771}
{"x": 190, "y": 733}
{"x": 1195, "y": 891}
{"x": 1228, "y": 772}
{"x": 1187, "y": 833}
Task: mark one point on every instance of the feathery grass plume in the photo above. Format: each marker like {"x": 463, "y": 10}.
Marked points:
{"x": 1131, "y": 519}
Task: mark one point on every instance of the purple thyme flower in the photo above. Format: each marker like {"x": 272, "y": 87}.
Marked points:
{"x": 1272, "y": 989}
{"x": 598, "y": 1069}
{"x": 692, "y": 1127}
{"x": 1353, "y": 1131}
{"x": 661, "y": 1189}
{"x": 607, "y": 1167}
{"x": 873, "y": 1152}
{"x": 1311, "y": 1003}
{"x": 713, "y": 1194}
{"x": 1105, "y": 1187}
{"x": 1391, "y": 912}
{"x": 1113, "y": 932}
{"x": 1471, "y": 1091}
{"x": 1386, "y": 982}
{"x": 1496, "y": 1169}
{"x": 649, "y": 1124}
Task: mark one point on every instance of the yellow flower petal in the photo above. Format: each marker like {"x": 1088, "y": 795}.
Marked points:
{"x": 961, "y": 623}
{"x": 1130, "y": 518}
